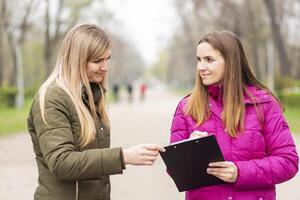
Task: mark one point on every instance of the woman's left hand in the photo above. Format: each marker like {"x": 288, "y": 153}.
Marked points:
{"x": 227, "y": 171}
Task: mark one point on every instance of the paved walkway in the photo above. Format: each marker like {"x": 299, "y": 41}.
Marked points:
{"x": 131, "y": 124}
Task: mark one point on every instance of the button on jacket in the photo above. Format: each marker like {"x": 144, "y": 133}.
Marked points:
{"x": 264, "y": 154}
{"x": 66, "y": 170}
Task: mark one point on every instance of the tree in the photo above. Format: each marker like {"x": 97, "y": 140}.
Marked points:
{"x": 127, "y": 64}
{"x": 285, "y": 64}
{"x": 56, "y": 27}
{"x": 16, "y": 32}
{"x": 2, "y": 9}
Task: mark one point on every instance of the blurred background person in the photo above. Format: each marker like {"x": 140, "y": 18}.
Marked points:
{"x": 129, "y": 89}
{"x": 143, "y": 88}
{"x": 116, "y": 92}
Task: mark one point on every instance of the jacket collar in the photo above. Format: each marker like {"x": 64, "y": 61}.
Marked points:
{"x": 97, "y": 91}
{"x": 216, "y": 92}
{"x": 258, "y": 95}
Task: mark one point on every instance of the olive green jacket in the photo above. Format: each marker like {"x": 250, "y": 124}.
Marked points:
{"x": 66, "y": 170}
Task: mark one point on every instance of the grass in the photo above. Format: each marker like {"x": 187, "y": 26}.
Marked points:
{"x": 292, "y": 115}
{"x": 13, "y": 120}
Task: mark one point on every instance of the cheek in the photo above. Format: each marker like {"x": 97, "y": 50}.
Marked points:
{"x": 220, "y": 71}
{"x": 89, "y": 72}
{"x": 92, "y": 69}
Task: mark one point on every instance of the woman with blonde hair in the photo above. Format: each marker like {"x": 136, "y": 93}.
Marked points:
{"x": 69, "y": 126}
{"x": 246, "y": 119}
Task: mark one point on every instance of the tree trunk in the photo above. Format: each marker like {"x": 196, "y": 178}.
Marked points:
{"x": 47, "y": 46}
{"x": 2, "y": 6}
{"x": 12, "y": 78}
{"x": 285, "y": 65}
{"x": 270, "y": 61}
{"x": 20, "y": 77}
{"x": 51, "y": 42}
{"x": 16, "y": 41}
{"x": 1, "y": 54}
{"x": 254, "y": 40}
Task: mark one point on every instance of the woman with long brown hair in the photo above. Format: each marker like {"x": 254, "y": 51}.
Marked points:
{"x": 69, "y": 125}
{"x": 246, "y": 119}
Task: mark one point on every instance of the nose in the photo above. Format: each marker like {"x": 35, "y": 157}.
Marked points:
{"x": 104, "y": 65}
{"x": 201, "y": 66}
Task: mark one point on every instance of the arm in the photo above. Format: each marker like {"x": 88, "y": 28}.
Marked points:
{"x": 179, "y": 128}
{"x": 57, "y": 145}
{"x": 281, "y": 162}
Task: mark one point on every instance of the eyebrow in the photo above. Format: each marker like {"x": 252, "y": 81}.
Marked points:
{"x": 198, "y": 57}
{"x": 104, "y": 58}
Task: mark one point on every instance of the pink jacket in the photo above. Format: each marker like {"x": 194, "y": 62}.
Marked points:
{"x": 265, "y": 154}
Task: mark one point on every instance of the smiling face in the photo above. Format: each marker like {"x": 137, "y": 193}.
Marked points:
{"x": 96, "y": 69}
{"x": 210, "y": 64}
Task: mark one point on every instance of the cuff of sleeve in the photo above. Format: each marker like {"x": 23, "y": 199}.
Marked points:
{"x": 122, "y": 159}
{"x": 112, "y": 161}
{"x": 247, "y": 176}
{"x": 238, "y": 181}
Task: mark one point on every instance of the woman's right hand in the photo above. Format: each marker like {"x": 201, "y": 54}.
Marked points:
{"x": 142, "y": 154}
{"x": 198, "y": 134}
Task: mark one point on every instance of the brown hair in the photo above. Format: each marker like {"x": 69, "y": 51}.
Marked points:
{"x": 237, "y": 76}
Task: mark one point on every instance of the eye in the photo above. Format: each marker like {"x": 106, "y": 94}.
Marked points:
{"x": 198, "y": 59}
{"x": 97, "y": 61}
{"x": 209, "y": 59}
{"x": 101, "y": 60}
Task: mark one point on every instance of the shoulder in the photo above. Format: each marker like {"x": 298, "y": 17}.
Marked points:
{"x": 257, "y": 95}
{"x": 182, "y": 104}
{"x": 55, "y": 92}
{"x": 263, "y": 98}
{"x": 55, "y": 98}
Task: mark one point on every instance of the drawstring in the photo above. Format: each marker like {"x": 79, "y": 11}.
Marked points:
{"x": 76, "y": 190}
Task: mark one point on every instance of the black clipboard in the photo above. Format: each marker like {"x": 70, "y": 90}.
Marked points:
{"x": 187, "y": 162}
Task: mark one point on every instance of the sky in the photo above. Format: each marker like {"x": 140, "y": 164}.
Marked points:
{"x": 147, "y": 23}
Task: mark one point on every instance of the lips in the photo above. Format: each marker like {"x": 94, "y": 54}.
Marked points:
{"x": 204, "y": 75}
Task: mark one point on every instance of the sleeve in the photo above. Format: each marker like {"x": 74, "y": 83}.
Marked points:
{"x": 281, "y": 162}
{"x": 179, "y": 128}
{"x": 57, "y": 146}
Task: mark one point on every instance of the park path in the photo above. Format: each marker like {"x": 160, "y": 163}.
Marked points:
{"x": 131, "y": 123}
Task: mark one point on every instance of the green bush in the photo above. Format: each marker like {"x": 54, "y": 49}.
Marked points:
{"x": 7, "y": 96}
{"x": 283, "y": 82}
{"x": 30, "y": 92}
{"x": 291, "y": 99}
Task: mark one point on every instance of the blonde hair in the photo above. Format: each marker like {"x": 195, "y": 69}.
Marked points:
{"x": 236, "y": 78}
{"x": 83, "y": 43}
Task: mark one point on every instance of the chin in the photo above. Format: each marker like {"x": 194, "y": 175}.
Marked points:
{"x": 208, "y": 83}
{"x": 96, "y": 80}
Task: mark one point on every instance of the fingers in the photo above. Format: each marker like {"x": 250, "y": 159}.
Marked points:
{"x": 148, "y": 163}
{"x": 154, "y": 147}
{"x": 142, "y": 154}
{"x": 227, "y": 171}
{"x": 221, "y": 164}
{"x": 147, "y": 152}
{"x": 223, "y": 176}
{"x": 198, "y": 134}
{"x": 149, "y": 158}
